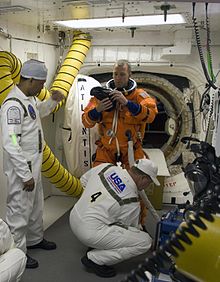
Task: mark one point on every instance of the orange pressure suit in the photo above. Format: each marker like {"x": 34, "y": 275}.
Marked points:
{"x": 114, "y": 126}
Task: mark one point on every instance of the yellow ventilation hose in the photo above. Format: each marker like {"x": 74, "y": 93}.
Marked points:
{"x": 70, "y": 67}
{"x": 10, "y": 65}
{"x": 58, "y": 175}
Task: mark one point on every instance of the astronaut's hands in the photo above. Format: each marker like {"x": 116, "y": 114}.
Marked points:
{"x": 118, "y": 97}
{"x": 57, "y": 95}
{"x": 29, "y": 185}
{"x": 104, "y": 105}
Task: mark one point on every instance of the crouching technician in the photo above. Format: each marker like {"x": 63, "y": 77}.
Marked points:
{"x": 106, "y": 217}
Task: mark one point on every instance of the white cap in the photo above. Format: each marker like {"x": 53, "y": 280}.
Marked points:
{"x": 149, "y": 168}
{"x": 34, "y": 69}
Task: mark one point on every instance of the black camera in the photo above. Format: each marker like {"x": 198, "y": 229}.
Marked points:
{"x": 101, "y": 93}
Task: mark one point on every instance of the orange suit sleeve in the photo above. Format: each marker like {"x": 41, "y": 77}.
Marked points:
{"x": 86, "y": 120}
{"x": 148, "y": 107}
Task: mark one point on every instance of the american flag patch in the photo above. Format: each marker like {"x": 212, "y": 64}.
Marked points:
{"x": 144, "y": 95}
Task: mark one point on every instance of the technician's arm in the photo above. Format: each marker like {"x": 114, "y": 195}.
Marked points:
{"x": 47, "y": 106}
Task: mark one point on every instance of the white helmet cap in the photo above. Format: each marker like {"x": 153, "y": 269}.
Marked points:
{"x": 34, "y": 69}
{"x": 149, "y": 168}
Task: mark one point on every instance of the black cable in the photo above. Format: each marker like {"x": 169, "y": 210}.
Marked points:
{"x": 205, "y": 98}
{"x": 208, "y": 44}
{"x": 196, "y": 29}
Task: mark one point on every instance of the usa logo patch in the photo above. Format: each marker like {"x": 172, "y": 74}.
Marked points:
{"x": 116, "y": 183}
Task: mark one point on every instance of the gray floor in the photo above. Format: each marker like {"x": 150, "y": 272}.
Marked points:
{"x": 63, "y": 264}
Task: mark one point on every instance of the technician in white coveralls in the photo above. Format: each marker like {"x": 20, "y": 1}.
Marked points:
{"x": 23, "y": 143}
{"x": 106, "y": 217}
{"x": 12, "y": 259}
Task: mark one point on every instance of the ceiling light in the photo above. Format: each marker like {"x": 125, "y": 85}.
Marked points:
{"x": 128, "y": 21}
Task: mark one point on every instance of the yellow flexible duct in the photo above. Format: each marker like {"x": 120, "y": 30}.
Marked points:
{"x": 70, "y": 67}
{"x": 10, "y": 67}
{"x": 58, "y": 175}
{"x": 51, "y": 168}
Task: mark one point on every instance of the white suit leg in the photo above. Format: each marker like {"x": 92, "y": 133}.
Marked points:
{"x": 18, "y": 209}
{"x": 35, "y": 225}
{"x": 12, "y": 265}
{"x": 112, "y": 244}
{"x": 119, "y": 244}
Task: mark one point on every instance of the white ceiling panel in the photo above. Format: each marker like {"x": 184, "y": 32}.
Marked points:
{"x": 37, "y": 12}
